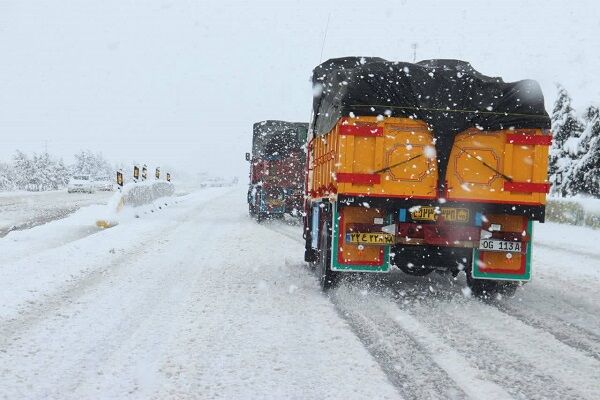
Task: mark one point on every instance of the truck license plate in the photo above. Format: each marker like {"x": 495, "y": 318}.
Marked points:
{"x": 370, "y": 238}
{"x": 500, "y": 245}
{"x": 450, "y": 214}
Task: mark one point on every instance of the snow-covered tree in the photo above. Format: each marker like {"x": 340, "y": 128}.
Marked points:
{"x": 61, "y": 172}
{"x": 586, "y": 171}
{"x": 89, "y": 163}
{"x": 23, "y": 170}
{"x": 7, "y": 177}
{"x": 567, "y": 130}
{"x": 36, "y": 173}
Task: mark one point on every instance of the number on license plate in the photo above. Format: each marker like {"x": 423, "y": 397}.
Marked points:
{"x": 500, "y": 245}
{"x": 450, "y": 214}
{"x": 377, "y": 238}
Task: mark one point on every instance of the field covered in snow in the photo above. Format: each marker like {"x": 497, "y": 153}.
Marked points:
{"x": 195, "y": 300}
{"x": 22, "y": 210}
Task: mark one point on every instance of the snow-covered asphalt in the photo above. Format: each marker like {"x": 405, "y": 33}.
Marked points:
{"x": 195, "y": 300}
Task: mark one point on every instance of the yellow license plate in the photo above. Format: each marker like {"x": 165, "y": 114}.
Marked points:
{"x": 450, "y": 214}
{"x": 370, "y": 238}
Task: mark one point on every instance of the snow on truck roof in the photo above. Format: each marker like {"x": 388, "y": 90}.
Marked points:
{"x": 449, "y": 95}
{"x": 273, "y": 138}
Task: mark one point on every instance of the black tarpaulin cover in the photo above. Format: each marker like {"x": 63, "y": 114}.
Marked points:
{"x": 275, "y": 139}
{"x": 450, "y": 95}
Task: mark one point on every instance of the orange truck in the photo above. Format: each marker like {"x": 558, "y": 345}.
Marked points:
{"x": 426, "y": 166}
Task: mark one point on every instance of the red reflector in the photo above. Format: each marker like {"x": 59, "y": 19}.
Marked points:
{"x": 358, "y": 179}
{"x": 527, "y": 187}
{"x": 361, "y": 130}
{"x": 517, "y": 138}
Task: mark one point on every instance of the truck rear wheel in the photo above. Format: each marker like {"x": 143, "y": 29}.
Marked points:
{"x": 327, "y": 277}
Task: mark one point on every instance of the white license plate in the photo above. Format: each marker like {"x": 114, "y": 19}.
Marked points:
{"x": 500, "y": 245}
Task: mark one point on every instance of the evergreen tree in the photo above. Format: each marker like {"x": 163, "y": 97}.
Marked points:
{"x": 567, "y": 130}
{"x": 36, "y": 173}
{"x": 7, "y": 177}
{"x": 586, "y": 176}
{"x": 88, "y": 163}
{"x": 61, "y": 173}
{"x": 23, "y": 170}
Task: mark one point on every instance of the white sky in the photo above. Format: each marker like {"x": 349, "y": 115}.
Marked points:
{"x": 181, "y": 82}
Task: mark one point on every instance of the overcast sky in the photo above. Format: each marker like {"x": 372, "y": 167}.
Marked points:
{"x": 181, "y": 82}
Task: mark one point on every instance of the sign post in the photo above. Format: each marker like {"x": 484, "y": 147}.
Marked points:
{"x": 157, "y": 173}
{"x": 120, "y": 179}
{"x": 136, "y": 173}
{"x": 144, "y": 172}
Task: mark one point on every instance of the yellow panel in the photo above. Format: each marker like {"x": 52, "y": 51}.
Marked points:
{"x": 470, "y": 179}
{"x": 403, "y": 138}
{"x": 406, "y": 147}
{"x": 354, "y": 253}
{"x": 497, "y": 262}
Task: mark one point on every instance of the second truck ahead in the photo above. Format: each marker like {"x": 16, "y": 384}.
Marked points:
{"x": 426, "y": 166}
{"x": 276, "y": 169}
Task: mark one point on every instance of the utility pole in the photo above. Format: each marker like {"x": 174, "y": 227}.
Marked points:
{"x": 414, "y": 48}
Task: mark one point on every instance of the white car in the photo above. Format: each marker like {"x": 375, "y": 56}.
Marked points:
{"x": 104, "y": 183}
{"x": 80, "y": 183}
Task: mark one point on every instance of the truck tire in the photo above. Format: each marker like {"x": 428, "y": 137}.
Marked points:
{"x": 327, "y": 278}
{"x": 486, "y": 288}
{"x": 311, "y": 256}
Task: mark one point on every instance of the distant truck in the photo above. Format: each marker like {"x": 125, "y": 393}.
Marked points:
{"x": 277, "y": 165}
{"x": 426, "y": 166}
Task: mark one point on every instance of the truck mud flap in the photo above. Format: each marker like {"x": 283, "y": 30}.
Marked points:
{"x": 514, "y": 266}
{"x": 348, "y": 257}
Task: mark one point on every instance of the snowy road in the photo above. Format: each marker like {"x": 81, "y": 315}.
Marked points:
{"x": 197, "y": 301}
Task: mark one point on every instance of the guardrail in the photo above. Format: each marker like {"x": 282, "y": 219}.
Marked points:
{"x": 134, "y": 194}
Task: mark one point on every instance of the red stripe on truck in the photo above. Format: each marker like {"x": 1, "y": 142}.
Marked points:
{"x": 527, "y": 187}
{"x": 517, "y": 138}
{"x": 361, "y": 130}
{"x": 358, "y": 179}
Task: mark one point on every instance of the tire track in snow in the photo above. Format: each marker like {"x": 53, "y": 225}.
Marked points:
{"x": 34, "y": 311}
{"x": 408, "y": 366}
{"x": 408, "y": 363}
{"x": 565, "y": 332}
{"x": 537, "y": 375}
{"x": 530, "y": 362}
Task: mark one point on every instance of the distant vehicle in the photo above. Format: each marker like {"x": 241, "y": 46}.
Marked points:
{"x": 80, "y": 183}
{"x": 277, "y": 165}
{"x": 104, "y": 183}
